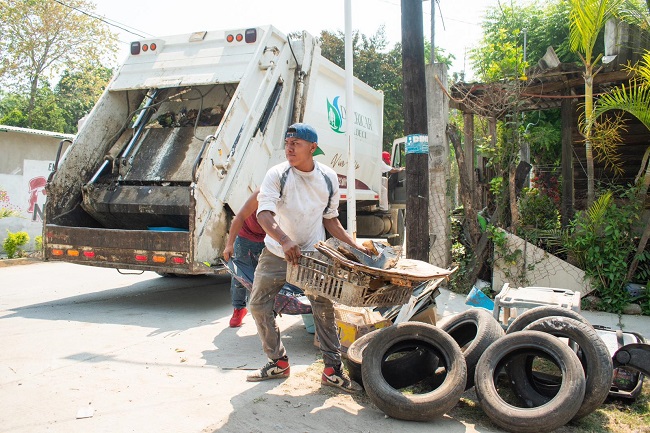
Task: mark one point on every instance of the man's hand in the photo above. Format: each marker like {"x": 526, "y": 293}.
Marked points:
{"x": 291, "y": 251}
{"x": 363, "y": 249}
{"x": 228, "y": 252}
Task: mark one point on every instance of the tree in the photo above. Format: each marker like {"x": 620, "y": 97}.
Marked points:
{"x": 586, "y": 19}
{"x": 39, "y": 38}
{"x": 45, "y": 115}
{"x": 77, "y": 92}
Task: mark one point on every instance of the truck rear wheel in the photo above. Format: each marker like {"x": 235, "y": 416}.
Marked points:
{"x": 399, "y": 239}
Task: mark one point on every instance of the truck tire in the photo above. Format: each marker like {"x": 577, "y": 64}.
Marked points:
{"x": 529, "y": 316}
{"x": 593, "y": 354}
{"x": 474, "y": 330}
{"x": 399, "y": 239}
{"x": 410, "y": 367}
{"x": 415, "y": 407}
{"x": 557, "y": 411}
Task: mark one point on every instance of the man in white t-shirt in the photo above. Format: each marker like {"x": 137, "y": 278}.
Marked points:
{"x": 298, "y": 201}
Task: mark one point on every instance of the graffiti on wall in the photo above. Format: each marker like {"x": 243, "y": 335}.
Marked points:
{"x": 24, "y": 194}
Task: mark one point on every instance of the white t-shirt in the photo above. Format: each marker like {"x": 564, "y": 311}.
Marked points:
{"x": 385, "y": 168}
{"x": 301, "y": 209}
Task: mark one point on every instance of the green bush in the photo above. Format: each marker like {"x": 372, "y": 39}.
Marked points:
{"x": 537, "y": 210}
{"x": 13, "y": 242}
{"x": 38, "y": 243}
{"x": 600, "y": 241}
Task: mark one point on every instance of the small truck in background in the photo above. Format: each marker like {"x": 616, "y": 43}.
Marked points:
{"x": 186, "y": 131}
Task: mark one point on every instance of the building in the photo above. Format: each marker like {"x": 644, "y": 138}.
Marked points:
{"x": 28, "y": 157}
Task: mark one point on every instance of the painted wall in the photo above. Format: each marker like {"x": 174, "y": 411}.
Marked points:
{"x": 26, "y": 159}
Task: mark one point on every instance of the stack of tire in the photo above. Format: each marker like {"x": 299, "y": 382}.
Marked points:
{"x": 471, "y": 349}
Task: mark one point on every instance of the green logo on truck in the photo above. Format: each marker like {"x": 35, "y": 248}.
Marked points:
{"x": 334, "y": 115}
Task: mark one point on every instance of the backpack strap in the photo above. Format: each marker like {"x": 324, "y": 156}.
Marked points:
{"x": 330, "y": 188}
{"x": 283, "y": 179}
{"x": 328, "y": 181}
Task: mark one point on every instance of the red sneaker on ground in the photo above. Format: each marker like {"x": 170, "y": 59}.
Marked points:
{"x": 274, "y": 369}
{"x": 237, "y": 317}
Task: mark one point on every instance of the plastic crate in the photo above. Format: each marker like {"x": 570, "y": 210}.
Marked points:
{"x": 343, "y": 284}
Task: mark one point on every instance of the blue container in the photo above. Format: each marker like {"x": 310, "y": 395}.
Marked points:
{"x": 477, "y": 298}
{"x": 308, "y": 320}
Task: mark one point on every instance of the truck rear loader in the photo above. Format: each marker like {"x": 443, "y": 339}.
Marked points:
{"x": 186, "y": 131}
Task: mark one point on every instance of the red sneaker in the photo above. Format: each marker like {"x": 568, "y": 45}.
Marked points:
{"x": 237, "y": 317}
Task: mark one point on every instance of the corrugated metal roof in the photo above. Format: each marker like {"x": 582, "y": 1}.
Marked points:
{"x": 6, "y": 128}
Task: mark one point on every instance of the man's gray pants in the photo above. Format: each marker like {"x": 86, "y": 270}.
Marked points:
{"x": 270, "y": 276}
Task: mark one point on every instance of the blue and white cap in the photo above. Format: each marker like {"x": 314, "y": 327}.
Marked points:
{"x": 305, "y": 132}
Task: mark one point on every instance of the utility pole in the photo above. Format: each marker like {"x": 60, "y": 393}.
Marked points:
{"x": 415, "y": 122}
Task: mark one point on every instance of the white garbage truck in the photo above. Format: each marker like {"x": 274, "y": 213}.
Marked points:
{"x": 186, "y": 131}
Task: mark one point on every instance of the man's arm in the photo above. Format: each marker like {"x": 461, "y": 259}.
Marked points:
{"x": 291, "y": 250}
{"x": 334, "y": 227}
{"x": 247, "y": 210}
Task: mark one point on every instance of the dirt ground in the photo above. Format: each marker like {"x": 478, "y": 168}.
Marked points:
{"x": 90, "y": 350}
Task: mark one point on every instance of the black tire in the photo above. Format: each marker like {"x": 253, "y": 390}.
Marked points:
{"x": 474, "y": 330}
{"x": 593, "y": 354}
{"x": 545, "y": 311}
{"x": 399, "y": 239}
{"x": 414, "y": 407}
{"x": 402, "y": 370}
{"x": 557, "y": 411}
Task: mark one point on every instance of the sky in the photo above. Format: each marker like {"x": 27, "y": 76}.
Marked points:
{"x": 457, "y": 24}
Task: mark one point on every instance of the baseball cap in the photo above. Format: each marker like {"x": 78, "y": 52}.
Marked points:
{"x": 304, "y": 132}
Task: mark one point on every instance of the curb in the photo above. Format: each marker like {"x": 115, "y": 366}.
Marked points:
{"x": 4, "y": 263}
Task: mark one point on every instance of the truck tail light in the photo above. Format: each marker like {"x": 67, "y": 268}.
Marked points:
{"x": 159, "y": 259}
{"x": 73, "y": 253}
{"x": 178, "y": 260}
{"x": 141, "y": 257}
{"x": 89, "y": 254}
{"x": 57, "y": 252}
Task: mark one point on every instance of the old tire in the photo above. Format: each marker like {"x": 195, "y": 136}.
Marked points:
{"x": 401, "y": 370}
{"x": 536, "y": 313}
{"x": 474, "y": 330}
{"x": 414, "y": 407}
{"x": 557, "y": 411}
{"x": 594, "y": 357}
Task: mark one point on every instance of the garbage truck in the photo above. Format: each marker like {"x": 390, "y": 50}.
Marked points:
{"x": 185, "y": 132}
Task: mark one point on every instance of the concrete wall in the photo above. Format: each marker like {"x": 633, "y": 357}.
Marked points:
{"x": 534, "y": 267}
{"x": 26, "y": 159}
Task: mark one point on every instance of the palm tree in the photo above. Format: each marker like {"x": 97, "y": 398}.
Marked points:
{"x": 586, "y": 19}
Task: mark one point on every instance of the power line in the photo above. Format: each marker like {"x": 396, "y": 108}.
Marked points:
{"x": 110, "y": 22}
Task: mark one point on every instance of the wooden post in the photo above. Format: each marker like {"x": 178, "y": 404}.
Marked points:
{"x": 566, "y": 211}
{"x": 439, "y": 167}
{"x": 468, "y": 147}
{"x": 415, "y": 122}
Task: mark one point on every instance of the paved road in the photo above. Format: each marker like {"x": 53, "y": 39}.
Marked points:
{"x": 142, "y": 353}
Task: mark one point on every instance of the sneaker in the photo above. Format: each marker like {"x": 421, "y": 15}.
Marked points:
{"x": 237, "y": 317}
{"x": 277, "y": 369}
{"x": 339, "y": 379}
